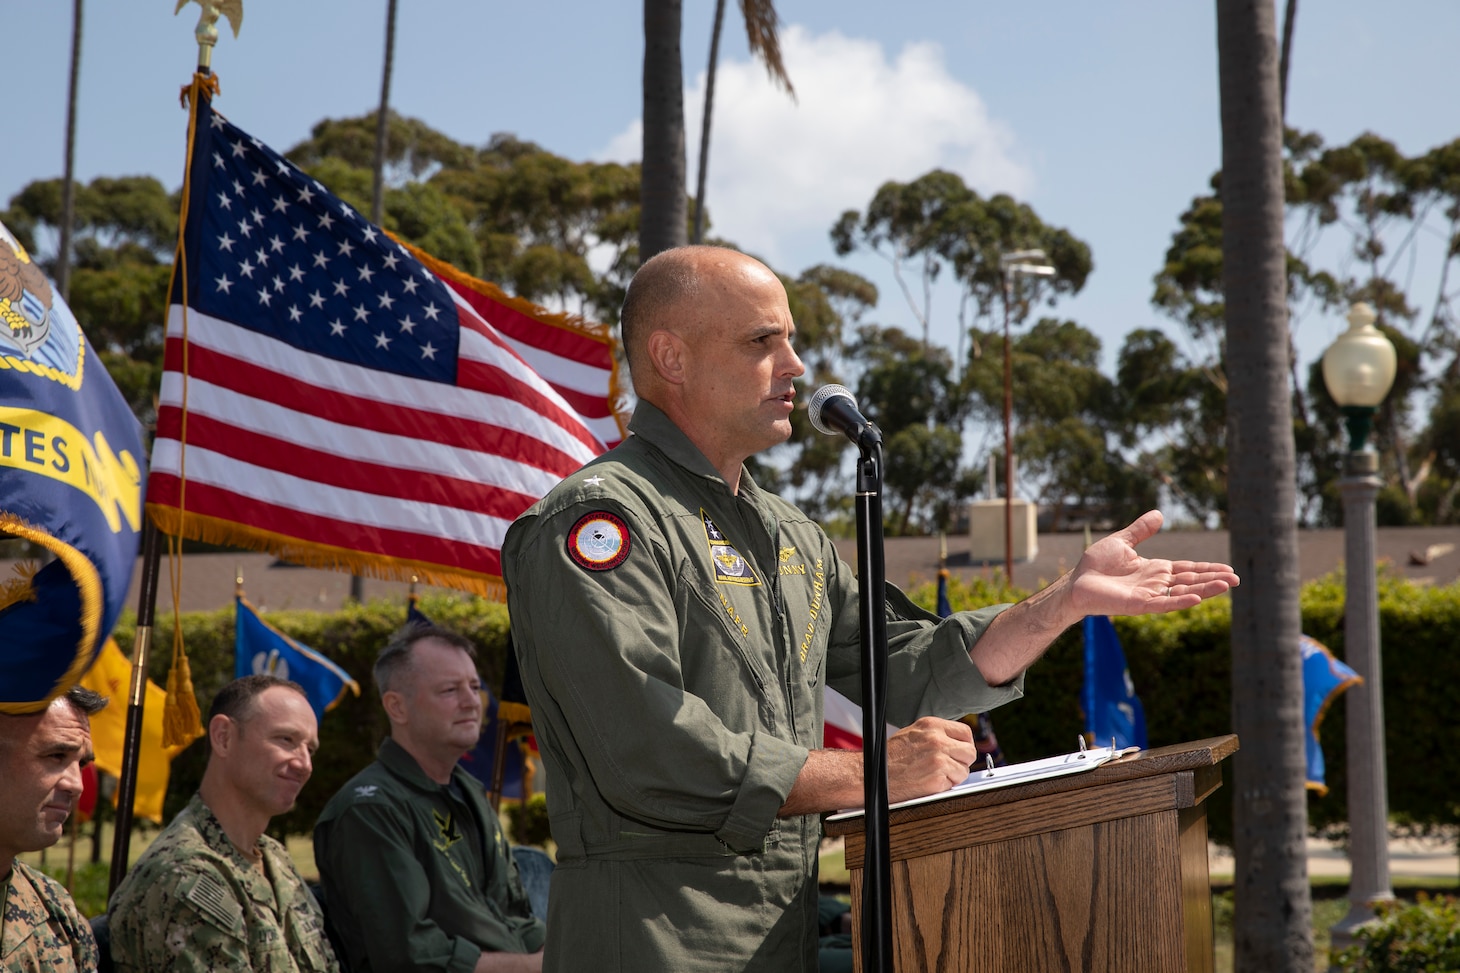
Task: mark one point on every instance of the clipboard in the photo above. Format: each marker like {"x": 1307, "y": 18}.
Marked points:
{"x": 989, "y": 777}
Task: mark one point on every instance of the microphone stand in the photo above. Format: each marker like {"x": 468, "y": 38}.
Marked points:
{"x": 872, "y": 581}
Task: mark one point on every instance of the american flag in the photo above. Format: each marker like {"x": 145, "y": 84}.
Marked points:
{"x": 346, "y": 404}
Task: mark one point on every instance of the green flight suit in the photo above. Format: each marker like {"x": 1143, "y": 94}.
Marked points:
{"x": 418, "y": 875}
{"x": 675, "y": 641}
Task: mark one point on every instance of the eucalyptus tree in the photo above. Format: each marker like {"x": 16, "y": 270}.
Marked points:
{"x": 1274, "y": 909}
{"x": 908, "y": 389}
{"x": 936, "y": 221}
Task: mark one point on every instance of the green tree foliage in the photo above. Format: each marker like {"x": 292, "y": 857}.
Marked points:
{"x": 936, "y": 221}
{"x": 909, "y": 391}
{"x": 1387, "y": 212}
{"x": 510, "y": 212}
{"x": 121, "y": 261}
{"x": 1072, "y": 425}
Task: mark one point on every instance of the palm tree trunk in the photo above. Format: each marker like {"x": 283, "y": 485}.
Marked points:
{"x": 704, "y": 161}
{"x": 662, "y": 220}
{"x": 68, "y": 180}
{"x": 382, "y": 120}
{"x": 377, "y": 186}
{"x": 1287, "y": 57}
{"x": 1273, "y": 920}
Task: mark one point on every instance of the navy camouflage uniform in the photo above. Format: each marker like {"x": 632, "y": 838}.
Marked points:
{"x": 194, "y": 902}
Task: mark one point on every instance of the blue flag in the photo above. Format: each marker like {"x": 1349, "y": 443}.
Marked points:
{"x": 1112, "y": 709}
{"x": 261, "y": 649}
{"x": 71, "y": 459}
{"x": 1324, "y": 677}
{"x": 414, "y": 616}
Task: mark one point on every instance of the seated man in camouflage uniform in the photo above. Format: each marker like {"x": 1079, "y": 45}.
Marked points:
{"x": 41, "y": 756}
{"x": 213, "y": 892}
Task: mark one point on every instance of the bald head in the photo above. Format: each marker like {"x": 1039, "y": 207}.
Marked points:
{"x": 675, "y": 290}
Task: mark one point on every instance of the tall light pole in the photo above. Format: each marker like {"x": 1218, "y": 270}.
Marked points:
{"x": 1358, "y": 369}
{"x": 1031, "y": 263}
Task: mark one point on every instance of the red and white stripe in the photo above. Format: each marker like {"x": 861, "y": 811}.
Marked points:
{"x": 315, "y": 452}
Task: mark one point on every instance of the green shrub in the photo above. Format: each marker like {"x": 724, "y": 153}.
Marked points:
{"x": 1181, "y": 665}
{"x": 350, "y": 733}
{"x": 528, "y": 821}
{"x": 88, "y": 885}
{"x": 1422, "y": 937}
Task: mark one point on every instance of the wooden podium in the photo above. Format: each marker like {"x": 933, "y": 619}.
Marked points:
{"x": 1099, "y": 871}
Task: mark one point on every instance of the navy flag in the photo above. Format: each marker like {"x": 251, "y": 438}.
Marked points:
{"x": 71, "y": 459}
{"x": 1324, "y": 678}
{"x": 261, "y": 649}
{"x": 1112, "y": 709}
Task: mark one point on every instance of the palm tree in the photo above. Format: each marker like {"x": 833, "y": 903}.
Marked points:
{"x": 68, "y": 180}
{"x": 662, "y": 218}
{"x": 382, "y": 120}
{"x": 761, "y": 22}
{"x": 1273, "y": 921}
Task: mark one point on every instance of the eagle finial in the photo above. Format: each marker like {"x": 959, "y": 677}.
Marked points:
{"x": 207, "y": 32}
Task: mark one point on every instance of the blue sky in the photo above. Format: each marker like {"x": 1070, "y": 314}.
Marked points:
{"x": 1102, "y": 116}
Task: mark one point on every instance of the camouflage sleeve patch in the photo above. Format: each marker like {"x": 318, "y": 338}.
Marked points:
{"x": 212, "y": 898}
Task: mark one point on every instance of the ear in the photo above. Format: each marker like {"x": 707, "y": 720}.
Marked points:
{"x": 221, "y": 733}
{"x": 395, "y": 706}
{"x": 666, "y": 353}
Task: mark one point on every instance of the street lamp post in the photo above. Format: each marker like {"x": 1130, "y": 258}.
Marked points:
{"x": 1030, "y": 263}
{"x": 1358, "y": 369}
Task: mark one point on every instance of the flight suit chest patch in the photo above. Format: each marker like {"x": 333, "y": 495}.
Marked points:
{"x": 726, "y": 562}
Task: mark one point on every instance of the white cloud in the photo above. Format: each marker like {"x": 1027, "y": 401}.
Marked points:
{"x": 781, "y": 172}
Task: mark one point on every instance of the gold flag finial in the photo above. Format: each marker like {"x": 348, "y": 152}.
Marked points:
{"x": 207, "y": 32}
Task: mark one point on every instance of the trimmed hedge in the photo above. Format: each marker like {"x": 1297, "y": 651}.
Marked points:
{"x": 350, "y": 733}
{"x": 1180, "y": 664}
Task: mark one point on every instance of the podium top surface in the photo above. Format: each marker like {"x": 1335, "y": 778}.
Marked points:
{"x": 1176, "y": 758}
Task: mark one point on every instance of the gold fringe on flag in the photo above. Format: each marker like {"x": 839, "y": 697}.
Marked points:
{"x": 20, "y": 587}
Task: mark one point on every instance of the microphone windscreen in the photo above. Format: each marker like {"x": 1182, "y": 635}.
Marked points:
{"x": 818, "y": 402}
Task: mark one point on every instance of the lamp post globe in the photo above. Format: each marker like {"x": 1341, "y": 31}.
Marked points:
{"x": 1358, "y": 369}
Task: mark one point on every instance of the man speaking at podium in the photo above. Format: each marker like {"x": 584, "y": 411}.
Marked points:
{"x": 676, "y": 626}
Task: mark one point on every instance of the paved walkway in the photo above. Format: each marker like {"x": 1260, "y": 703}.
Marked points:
{"x": 1410, "y": 858}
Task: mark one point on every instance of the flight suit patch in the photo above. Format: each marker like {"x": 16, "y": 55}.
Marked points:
{"x": 729, "y": 566}
{"x": 599, "y": 541}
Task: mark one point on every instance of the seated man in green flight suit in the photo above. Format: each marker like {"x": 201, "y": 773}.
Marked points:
{"x": 417, "y": 872}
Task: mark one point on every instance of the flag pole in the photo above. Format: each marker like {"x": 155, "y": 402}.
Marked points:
{"x": 206, "y": 35}
{"x": 136, "y": 697}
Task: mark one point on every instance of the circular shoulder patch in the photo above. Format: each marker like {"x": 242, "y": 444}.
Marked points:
{"x": 599, "y": 541}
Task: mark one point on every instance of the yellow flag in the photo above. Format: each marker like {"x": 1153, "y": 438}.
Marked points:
{"x": 112, "y": 676}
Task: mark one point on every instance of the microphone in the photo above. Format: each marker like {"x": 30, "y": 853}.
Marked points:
{"x": 833, "y": 409}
